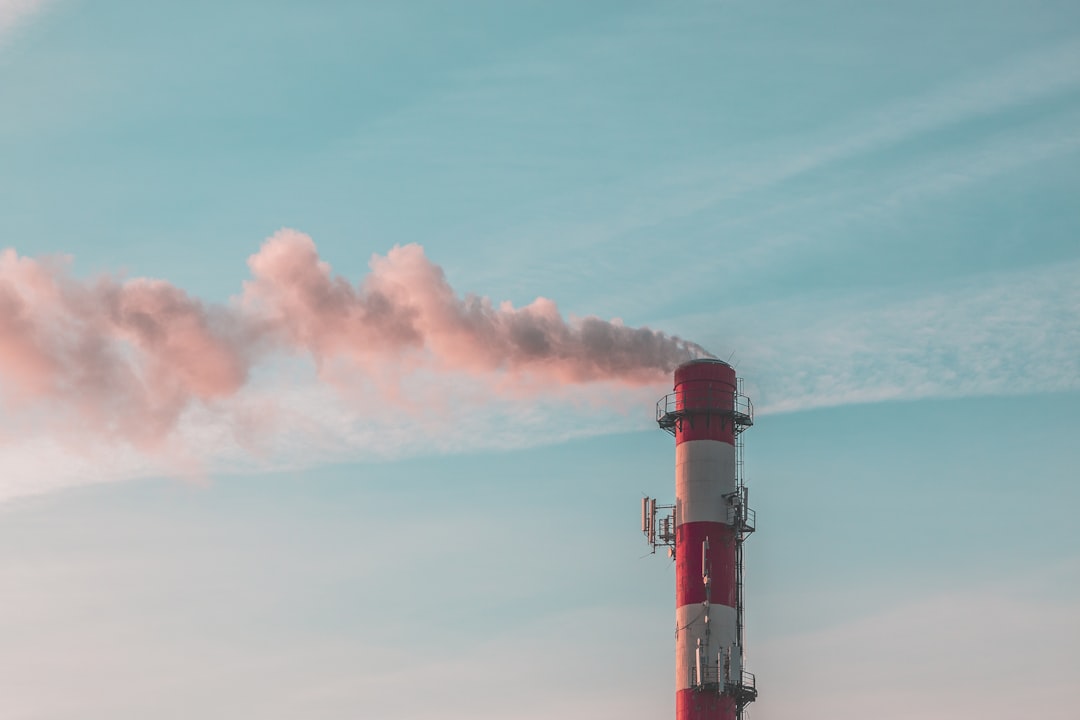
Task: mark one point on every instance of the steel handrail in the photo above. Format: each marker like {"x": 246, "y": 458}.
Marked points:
{"x": 676, "y": 404}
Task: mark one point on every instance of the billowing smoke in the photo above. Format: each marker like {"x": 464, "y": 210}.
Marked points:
{"x": 127, "y": 357}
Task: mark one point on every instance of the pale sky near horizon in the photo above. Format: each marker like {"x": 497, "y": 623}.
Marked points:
{"x": 870, "y": 208}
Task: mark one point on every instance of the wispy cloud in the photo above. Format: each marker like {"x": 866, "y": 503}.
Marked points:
{"x": 1022, "y": 81}
{"x": 832, "y": 220}
{"x": 997, "y": 333}
{"x": 736, "y": 177}
{"x": 289, "y": 418}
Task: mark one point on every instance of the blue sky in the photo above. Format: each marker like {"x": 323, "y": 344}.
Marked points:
{"x": 871, "y": 208}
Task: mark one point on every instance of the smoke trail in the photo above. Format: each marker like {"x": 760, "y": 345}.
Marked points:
{"x": 127, "y": 357}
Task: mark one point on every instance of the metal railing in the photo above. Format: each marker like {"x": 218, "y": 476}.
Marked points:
{"x": 673, "y": 407}
{"x": 742, "y": 518}
{"x": 712, "y": 677}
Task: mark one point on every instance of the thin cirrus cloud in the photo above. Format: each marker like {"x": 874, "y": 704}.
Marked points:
{"x": 1002, "y": 333}
{"x": 681, "y": 190}
{"x": 837, "y": 220}
{"x": 288, "y": 417}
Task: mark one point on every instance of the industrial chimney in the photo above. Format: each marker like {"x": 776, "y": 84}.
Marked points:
{"x": 704, "y": 532}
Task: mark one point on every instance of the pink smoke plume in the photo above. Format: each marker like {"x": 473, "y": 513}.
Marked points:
{"x": 127, "y": 357}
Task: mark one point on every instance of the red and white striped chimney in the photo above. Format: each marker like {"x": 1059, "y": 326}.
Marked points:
{"x": 710, "y": 518}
